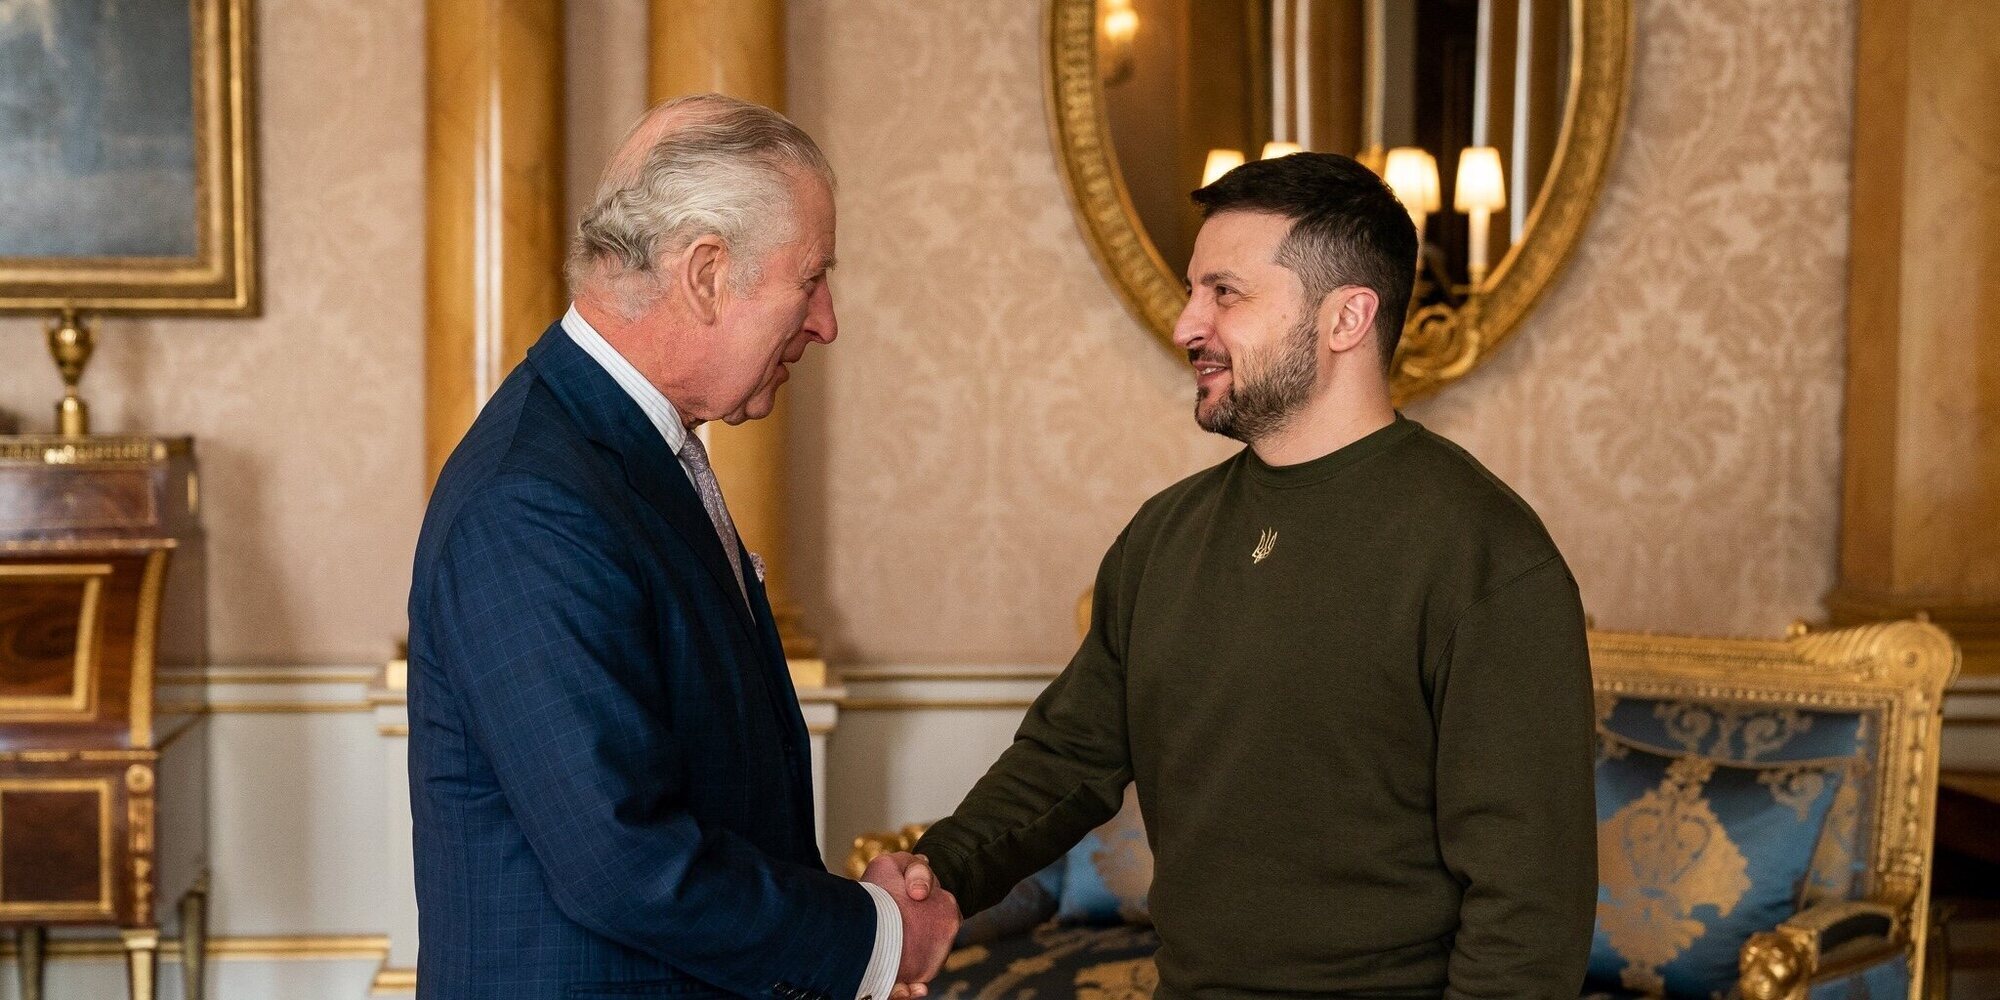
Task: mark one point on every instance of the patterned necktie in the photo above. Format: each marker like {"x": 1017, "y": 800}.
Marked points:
{"x": 696, "y": 458}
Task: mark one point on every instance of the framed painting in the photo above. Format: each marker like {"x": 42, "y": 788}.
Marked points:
{"x": 126, "y": 160}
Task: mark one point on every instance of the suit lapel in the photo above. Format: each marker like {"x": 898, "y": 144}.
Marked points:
{"x": 610, "y": 417}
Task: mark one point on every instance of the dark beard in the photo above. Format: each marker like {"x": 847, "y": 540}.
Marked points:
{"x": 1254, "y": 409}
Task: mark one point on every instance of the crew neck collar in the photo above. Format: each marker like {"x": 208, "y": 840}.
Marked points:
{"x": 1330, "y": 464}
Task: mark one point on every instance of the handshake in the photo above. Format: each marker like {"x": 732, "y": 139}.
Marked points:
{"x": 930, "y": 918}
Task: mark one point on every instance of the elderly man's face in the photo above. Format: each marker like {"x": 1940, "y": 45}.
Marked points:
{"x": 767, "y": 327}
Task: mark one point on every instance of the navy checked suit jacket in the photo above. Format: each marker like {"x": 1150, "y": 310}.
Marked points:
{"x": 610, "y": 777}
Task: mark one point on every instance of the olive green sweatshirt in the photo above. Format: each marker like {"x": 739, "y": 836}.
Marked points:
{"x": 1355, "y": 696}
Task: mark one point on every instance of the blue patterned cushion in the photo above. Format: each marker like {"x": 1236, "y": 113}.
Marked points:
{"x": 1742, "y": 733}
{"x": 1107, "y": 875}
{"x": 1694, "y": 856}
{"x": 1763, "y": 733}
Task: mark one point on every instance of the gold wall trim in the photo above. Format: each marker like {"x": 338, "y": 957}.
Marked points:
{"x": 283, "y": 947}
{"x": 926, "y": 675}
{"x": 390, "y": 981}
{"x": 1432, "y": 355}
{"x": 214, "y": 676}
{"x": 266, "y": 708}
{"x": 393, "y": 729}
{"x": 921, "y": 704}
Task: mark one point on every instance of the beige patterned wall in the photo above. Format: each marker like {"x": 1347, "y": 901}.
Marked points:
{"x": 991, "y": 415}
{"x": 309, "y": 418}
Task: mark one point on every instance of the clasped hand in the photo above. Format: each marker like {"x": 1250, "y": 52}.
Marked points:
{"x": 930, "y": 918}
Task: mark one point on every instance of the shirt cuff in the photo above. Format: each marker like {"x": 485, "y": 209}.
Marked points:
{"x": 887, "y": 958}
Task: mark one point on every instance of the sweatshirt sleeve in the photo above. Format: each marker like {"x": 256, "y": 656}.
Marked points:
{"x": 1064, "y": 775}
{"x": 1516, "y": 817}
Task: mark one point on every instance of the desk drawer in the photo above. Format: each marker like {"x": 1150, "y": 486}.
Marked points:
{"x": 56, "y": 499}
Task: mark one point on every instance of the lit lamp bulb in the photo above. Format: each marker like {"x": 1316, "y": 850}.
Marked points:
{"x": 1121, "y": 22}
{"x": 1480, "y": 191}
{"x": 1115, "y": 31}
{"x": 1220, "y": 161}
{"x": 1275, "y": 149}
{"x": 1413, "y": 175}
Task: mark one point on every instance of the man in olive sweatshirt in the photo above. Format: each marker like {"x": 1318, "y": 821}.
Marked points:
{"x": 1346, "y": 667}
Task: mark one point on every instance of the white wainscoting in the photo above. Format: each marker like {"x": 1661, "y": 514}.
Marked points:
{"x": 913, "y": 739}
{"x": 1972, "y": 725}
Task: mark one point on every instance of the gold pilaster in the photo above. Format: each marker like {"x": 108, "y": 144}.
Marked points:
{"x": 1922, "y": 436}
{"x": 737, "y": 47}
{"x": 494, "y": 215}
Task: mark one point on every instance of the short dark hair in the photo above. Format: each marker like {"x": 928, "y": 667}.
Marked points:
{"x": 1347, "y": 229}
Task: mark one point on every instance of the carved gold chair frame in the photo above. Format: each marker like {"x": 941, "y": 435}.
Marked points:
{"x": 1440, "y": 343}
{"x": 1893, "y": 673}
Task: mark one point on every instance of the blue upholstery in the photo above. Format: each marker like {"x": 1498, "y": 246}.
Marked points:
{"x": 1694, "y": 856}
{"x": 1764, "y": 734}
{"x": 1108, "y": 874}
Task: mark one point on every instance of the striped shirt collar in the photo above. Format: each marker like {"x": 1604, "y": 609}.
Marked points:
{"x": 652, "y": 402}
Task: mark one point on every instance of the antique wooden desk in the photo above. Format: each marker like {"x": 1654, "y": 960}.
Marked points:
{"x": 88, "y": 606}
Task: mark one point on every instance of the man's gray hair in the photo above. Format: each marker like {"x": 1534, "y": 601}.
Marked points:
{"x": 724, "y": 171}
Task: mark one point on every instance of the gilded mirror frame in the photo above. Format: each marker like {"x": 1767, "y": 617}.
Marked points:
{"x": 1440, "y": 343}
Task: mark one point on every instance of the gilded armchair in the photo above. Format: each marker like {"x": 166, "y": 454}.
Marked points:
{"x": 1798, "y": 778}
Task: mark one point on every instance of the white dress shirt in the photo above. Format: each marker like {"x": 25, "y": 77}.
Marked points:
{"x": 887, "y": 955}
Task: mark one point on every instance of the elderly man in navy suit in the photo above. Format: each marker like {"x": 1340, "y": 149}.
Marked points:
{"x": 608, "y": 768}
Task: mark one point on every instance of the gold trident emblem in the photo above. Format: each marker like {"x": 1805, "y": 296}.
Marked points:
{"x": 1265, "y": 543}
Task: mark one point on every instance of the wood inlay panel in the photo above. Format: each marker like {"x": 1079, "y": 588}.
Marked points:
{"x": 48, "y": 637}
{"x": 55, "y": 847}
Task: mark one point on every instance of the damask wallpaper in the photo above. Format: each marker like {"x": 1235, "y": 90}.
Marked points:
{"x": 991, "y": 416}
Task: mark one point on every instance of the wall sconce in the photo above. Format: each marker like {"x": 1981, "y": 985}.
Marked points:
{"x": 1276, "y": 148}
{"x": 1413, "y": 175}
{"x": 1220, "y": 161}
{"x": 1481, "y": 190}
{"x": 1115, "y": 31}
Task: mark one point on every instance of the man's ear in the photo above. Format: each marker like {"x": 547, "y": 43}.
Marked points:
{"x": 1347, "y": 316}
{"x": 704, "y": 265}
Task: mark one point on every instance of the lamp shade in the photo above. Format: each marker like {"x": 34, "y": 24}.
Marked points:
{"x": 1480, "y": 184}
{"x": 1413, "y": 175}
{"x": 1275, "y": 149}
{"x": 1220, "y": 161}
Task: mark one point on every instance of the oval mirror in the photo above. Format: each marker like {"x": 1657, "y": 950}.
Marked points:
{"x": 1493, "y": 120}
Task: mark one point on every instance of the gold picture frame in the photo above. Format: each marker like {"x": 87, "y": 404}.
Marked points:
{"x": 1440, "y": 344}
{"x": 220, "y": 275}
